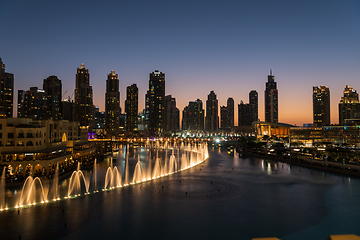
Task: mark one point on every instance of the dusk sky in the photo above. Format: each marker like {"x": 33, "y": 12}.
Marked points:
{"x": 225, "y": 46}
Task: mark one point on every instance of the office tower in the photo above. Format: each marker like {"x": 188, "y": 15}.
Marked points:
{"x": 212, "y": 117}
{"x": 244, "y": 114}
{"x": 271, "y": 100}
{"x": 193, "y": 116}
{"x": 53, "y": 88}
{"x": 68, "y": 110}
{"x": 223, "y": 117}
{"x": 230, "y": 113}
{"x": 100, "y": 119}
{"x": 112, "y": 105}
{"x": 35, "y": 104}
{"x": 131, "y": 108}
{"x": 321, "y": 106}
{"x": 146, "y": 111}
{"x": 83, "y": 108}
{"x": 156, "y": 102}
{"x": 21, "y": 94}
{"x": 6, "y": 91}
{"x": 172, "y": 115}
{"x": 349, "y": 106}
{"x": 253, "y": 101}
{"x": 185, "y": 121}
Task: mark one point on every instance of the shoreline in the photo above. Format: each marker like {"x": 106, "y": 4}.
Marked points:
{"x": 335, "y": 167}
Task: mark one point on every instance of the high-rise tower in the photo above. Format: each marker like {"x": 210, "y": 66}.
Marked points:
{"x": 271, "y": 100}
{"x": 156, "y": 96}
{"x": 230, "y": 113}
{"x": 349, "y": 106}
{"x": 321, "y": 106}
{"x": 131, "y": 108}
{"x": 6, "y": 91}
{"x": 112, "y": 105}
{"x": 193, "y": 116}
{"x": 253, "y": 101}
{"x": 172, "y": 115}
{"x": 53, "y": 88}
{"x": 83, "y": 108}
{"x": 212, "y": 117}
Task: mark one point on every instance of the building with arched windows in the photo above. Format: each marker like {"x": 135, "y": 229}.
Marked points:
{"x": 36, "y": 147}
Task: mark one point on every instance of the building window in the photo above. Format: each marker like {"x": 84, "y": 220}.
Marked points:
{"x": 10, "y": 135}
{"x": 21, "y": 134}
{"x": 20, "y": 143}
{"x": 29, "y": 135}
{"x": 29, "y": 143}
{"x": 0, "y": 126}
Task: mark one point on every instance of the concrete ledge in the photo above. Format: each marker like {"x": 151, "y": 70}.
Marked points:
{"x": 272, "y": 238}
{"x": 343, "y": 237}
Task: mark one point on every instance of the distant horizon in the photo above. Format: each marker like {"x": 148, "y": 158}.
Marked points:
{"x": 142, "y": 103}
{"x": 227, "y": 46}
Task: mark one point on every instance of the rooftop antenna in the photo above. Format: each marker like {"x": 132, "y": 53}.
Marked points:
{"x": 270, "y": 72}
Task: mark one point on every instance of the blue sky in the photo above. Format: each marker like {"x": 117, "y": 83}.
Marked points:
{"x": 225, "y": 46}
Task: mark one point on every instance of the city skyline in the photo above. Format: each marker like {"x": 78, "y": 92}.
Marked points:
{"x": 226, "y": 47}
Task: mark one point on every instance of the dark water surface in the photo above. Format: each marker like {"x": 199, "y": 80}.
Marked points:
{"x": 229, "y": 198}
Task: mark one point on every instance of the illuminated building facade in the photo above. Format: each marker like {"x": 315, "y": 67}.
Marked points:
{"x": 271, "y": 100}
{"x": 131, "y": 108}
{"x": 35, "y": 104}
{"x": 248, "y": 112}
{"x": 172, "y": 115}
{"x": 6, "y": 91}
{"x": 83, "y": 107}
{"x": 112, "y": 105}
{"x": 212, "y": 116}
{"x": 253, "y": 101}
{"x": 53, "y": 89}
{"x": 230, "y": 113}
{"x": 321, "y": 106}
{"x": 193, "y": 116}
{"x": 156, "y": 97}
{"x": 21, "y": 95}
{"x": 223, "y": 117}
{"x": 349, "y": 106}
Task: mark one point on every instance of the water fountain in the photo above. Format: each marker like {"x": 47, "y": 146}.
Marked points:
{"x": 28, "y": 193}
{"x": 2, "y": 190}
{"x": 75, "y": 182}
{"x": 56, "y": 184}
{"x": 181, "y": 156}
{"x": 112, "y": 176}
{"x": 138, "y": 172}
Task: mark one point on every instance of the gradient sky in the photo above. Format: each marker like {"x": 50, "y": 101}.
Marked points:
{"x": 225, "y": 46}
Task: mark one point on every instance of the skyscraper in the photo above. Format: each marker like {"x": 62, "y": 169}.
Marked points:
{"x": 223, "y": 117}
{"x": 156, "y": 102}
{"x": 6, "y": 91}
{"x": 193, "y": 116}
{"x": 53, "y": 88}
{"x": 243, "y": 114}
{"x": 83, "y": 108}
{"x": 230, "y": 113}
{"x": 35, "y": 104}
{"x": 21, "y": 95}
{"x": 212, "y": 117}
{"x": 349, "y": 106}
{"x": 248, "y": 112}
{"x": 68, "y": 109}
{"x": 253, "y": 101}
{"x": 131, "y": 108}
{"x": 112, "y": 105}
{"x": 172, "y": 115}
{"x": 271, "y": 100}
{"x": 321, "y": 106}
